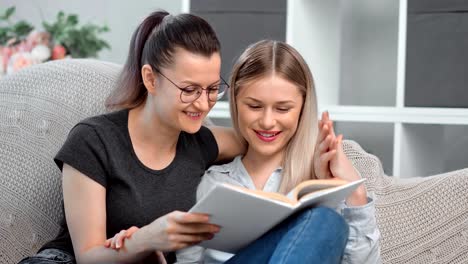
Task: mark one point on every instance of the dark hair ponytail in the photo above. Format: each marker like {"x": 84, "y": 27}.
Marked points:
{"x": 154, "y": 42}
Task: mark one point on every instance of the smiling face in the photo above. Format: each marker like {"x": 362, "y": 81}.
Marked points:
{"x": 188, "y": 70}
{"x": 268, "y": 114}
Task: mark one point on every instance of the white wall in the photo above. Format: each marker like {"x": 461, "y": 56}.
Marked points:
{"x": 122, "y": 17}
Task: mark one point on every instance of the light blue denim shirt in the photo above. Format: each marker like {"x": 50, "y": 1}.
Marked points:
{"x": 363, "y": 242}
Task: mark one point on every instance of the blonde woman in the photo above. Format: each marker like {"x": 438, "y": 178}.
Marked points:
{"x": 274, "y": 109}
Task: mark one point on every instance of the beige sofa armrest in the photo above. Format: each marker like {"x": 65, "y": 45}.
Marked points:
{"x": 421, "y": 219}
{"x": 424, "y": 220}
{"x": 38, "y": 107}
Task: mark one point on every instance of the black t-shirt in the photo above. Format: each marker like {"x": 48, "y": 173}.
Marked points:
{"x": 100, "y": 148}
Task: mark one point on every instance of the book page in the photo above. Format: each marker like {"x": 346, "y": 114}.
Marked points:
{"x": 311, "y": 186}
{"x": 330, "y": 197}
{"x": 268, "y": 195}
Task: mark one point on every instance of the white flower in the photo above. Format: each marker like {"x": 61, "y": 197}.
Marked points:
{"x": 41, "y": 53}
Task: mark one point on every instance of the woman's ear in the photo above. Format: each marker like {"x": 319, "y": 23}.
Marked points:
{"x": 149, "y": 78}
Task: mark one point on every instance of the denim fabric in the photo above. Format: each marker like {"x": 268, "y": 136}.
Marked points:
{"x": 50, "y": 256}
{"x": 317, "y": 235}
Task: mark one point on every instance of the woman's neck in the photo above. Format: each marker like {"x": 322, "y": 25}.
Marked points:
{"x": 260, "y": 167}
{"x": 151, "y": 138}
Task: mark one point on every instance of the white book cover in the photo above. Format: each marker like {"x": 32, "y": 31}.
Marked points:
{"x": 245, "y": 216}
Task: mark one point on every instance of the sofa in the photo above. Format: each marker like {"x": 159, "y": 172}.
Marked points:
{"x": 421, "y": 219}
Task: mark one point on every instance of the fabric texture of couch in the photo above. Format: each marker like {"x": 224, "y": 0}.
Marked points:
{"x": 422, "y": 220}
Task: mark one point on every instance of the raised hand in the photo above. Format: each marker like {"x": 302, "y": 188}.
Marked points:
{"x": 325, "y": 148}
{"x": 330, "y": 161}
{"x": 340, "y": 165}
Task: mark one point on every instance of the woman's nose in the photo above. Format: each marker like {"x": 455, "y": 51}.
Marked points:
{"x": 267, "y": 121}
{"x": 202, "y": 102}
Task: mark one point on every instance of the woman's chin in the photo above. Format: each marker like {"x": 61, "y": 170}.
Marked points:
{"x": 191, "y": 128}
{"x": 267, "y": 151}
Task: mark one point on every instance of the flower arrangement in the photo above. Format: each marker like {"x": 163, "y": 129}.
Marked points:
{"x": 21, "y": 45}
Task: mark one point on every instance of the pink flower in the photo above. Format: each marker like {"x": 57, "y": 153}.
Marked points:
{"x": 23, "y": 47}
{"x": 5, "y": 54}
{"x": 38, "y": 38}
{"x": 20, "y": 60}
{"x": 7, "y": 51}
{"x": 2, "y": 65}
{"x": 58, "y": 52}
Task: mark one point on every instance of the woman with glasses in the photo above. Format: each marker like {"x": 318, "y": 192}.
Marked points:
{"x": 140, "y": 165}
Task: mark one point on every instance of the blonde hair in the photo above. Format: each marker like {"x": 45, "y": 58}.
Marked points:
{"x": 268, "y": 57}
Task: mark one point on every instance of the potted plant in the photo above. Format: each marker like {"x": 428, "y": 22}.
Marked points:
{"x": 21, "y": 45}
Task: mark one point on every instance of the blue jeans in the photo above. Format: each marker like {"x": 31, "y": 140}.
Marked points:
{"x": 317, "y": 235}
{"x": 50, "y": 256}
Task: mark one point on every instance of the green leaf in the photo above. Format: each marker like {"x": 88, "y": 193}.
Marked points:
{"x": 60, "y": 16}
{"x": 72, "y": 20}
{"x": 22, "y": 29}
{"x": 3, "y": 35}
{"x": 10, "y": 11}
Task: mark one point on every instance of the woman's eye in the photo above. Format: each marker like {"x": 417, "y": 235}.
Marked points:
{"x": 190, "y": 90}
{"x": 254, "y": 106}
{"x": 283, "y": 109}
{"x": 214, "y": 88}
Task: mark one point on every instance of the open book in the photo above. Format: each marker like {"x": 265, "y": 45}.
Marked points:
{"x": 244, "y": 215}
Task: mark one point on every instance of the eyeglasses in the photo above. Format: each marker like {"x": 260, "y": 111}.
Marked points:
{"x": 191, "y": 93}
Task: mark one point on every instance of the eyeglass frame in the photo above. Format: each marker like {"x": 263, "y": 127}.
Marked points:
{"x": 207, "y": 89}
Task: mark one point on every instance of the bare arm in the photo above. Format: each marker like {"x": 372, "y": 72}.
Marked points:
{"x": 229, "y": 143}
{"x": 85, "y": 210}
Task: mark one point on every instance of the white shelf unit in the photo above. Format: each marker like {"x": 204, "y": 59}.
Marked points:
{"x": 356, "y": 51}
